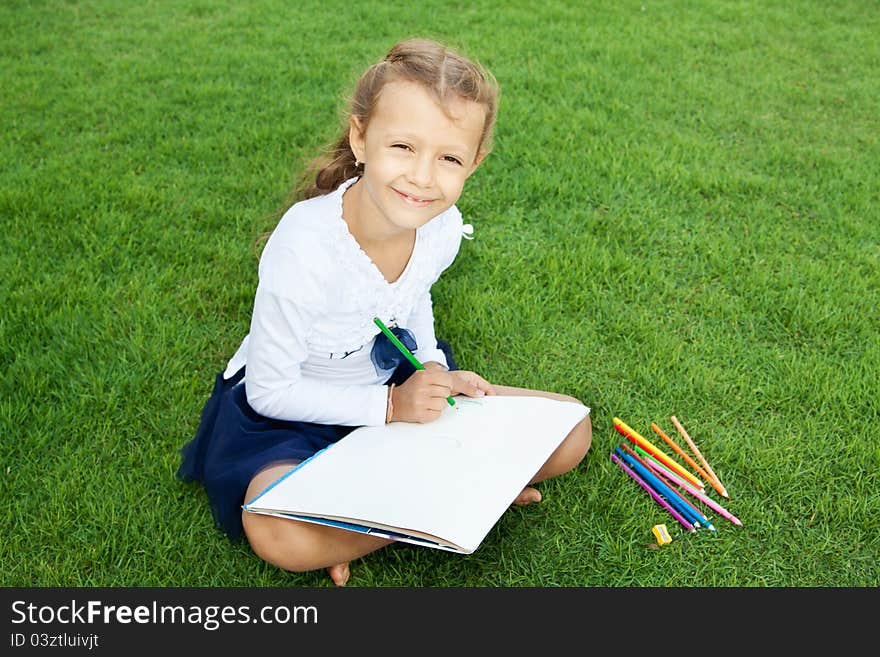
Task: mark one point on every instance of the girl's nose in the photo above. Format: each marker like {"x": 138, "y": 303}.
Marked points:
{"x": 422, "y": 171}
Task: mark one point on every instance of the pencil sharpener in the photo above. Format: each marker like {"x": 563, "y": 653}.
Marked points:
{"x": 662, "y": 534}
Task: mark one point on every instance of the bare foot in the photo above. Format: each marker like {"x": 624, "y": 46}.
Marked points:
{"x": 339, "y": 573}
{"x": 527, "y": 496}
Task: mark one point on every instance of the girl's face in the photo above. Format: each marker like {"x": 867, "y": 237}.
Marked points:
{"x": 416, "y": 157}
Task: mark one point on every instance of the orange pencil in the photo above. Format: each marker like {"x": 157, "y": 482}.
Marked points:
{"x": 681, "y": 452}
{"x": 716, "y": 482}
{"x": 649, "y": 447}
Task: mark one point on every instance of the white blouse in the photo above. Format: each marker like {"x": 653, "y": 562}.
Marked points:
{"x": 312, "y": 329}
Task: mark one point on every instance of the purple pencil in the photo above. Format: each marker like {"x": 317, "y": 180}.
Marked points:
{"x": 647, "y": 466}
{"x": 666, "y": 505}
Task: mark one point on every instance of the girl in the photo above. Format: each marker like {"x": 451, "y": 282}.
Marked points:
{"x": 374, "y": 229}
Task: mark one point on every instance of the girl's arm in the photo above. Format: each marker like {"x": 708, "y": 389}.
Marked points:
{"x": 421, "y": 323}
{"x": 448, "y": 230}
{"x": 274, "y": 383}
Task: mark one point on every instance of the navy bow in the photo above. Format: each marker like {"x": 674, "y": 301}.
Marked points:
{"x": 385, "y": 355}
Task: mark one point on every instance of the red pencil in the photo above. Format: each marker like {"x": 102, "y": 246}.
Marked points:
{"x": 637, "y": 439}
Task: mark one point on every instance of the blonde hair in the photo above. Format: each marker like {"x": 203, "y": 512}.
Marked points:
{"x": 443, "y": 72}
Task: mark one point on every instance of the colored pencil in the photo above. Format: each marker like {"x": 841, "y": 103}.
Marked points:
{"x": 674, "y": 498}
{"x": 669, "y": 474}
{"x": 644, "y": 462}
{"x": 666, "y": 505}
{"x": 679, "y": 481}
{"x": 716, "y": 482}
{"x": 402, "y": 349}
{"x": 637, "y": 439}
{"x": 663, "y": 470}
{"x": 634, "y": 437}
{"x": 681, "y": 452}
{"x": 659, "y": 468}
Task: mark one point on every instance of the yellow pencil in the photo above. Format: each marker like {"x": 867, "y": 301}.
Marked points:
{"x": 716, "y": 482}
{"x": 655, "y": 451}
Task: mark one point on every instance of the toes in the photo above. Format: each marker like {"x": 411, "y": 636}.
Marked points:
{"x": 528, "y": 496}
{"x": 339, "y": 573}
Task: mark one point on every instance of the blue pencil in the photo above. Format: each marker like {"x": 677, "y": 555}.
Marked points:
{"x": 657, "y": 498}
{"x": 668, "y": 493}
{"x": 641, "y": 458}
{"x": 676, "y": 498}
{"x": 662, "y": 489}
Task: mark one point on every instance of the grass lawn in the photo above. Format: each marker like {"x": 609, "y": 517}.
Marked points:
{"x": 679, "y": 217}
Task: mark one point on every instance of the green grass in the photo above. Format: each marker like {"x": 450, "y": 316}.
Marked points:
{"x": 679, "y": 218}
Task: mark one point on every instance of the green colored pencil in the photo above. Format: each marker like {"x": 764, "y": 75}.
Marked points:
{"x": 406, "y": 352}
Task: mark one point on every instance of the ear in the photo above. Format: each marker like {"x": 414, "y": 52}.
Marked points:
{"x": 480, "y": 156}
{"x": 356, "y": 138}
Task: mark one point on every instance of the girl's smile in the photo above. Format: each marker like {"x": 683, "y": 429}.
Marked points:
{"x": 417, "y": 156}
{"x": 413, "y": 200}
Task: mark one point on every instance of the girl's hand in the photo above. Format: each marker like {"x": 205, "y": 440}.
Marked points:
{"x": 422, "y": 397}
{"x": 471, "y": 384}
{"x": 464, "y": 382}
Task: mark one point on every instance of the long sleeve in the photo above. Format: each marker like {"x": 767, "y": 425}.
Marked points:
{"x": 274, "y": 381}
{"x": 308, "y": 352}
{"x": 421, "y": 319}
{"x": 421, "y": 323}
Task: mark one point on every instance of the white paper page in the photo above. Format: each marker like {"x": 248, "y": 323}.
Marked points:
{"x": 452, "y": 478}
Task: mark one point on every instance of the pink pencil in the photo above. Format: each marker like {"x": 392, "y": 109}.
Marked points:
{"x": 666, "y": 505}
{"x": 661, "y": 469}
{"x": 705, "y": 499}
{"x": 647, "y": 465}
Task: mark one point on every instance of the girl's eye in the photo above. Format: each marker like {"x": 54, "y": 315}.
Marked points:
{"x": 404, "y": 146}
{"x": 452, "y": 159}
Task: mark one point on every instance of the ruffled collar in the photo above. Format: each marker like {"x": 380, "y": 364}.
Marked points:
{"x": 350, "y": 244}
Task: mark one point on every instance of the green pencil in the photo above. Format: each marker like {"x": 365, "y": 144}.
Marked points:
{"x": 406, "y": 352}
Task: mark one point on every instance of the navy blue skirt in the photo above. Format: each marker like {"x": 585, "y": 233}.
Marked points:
{"x": 234, "y": 442}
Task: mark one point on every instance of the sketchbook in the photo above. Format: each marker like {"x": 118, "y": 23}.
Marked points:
{"x": 443, "y": 484}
